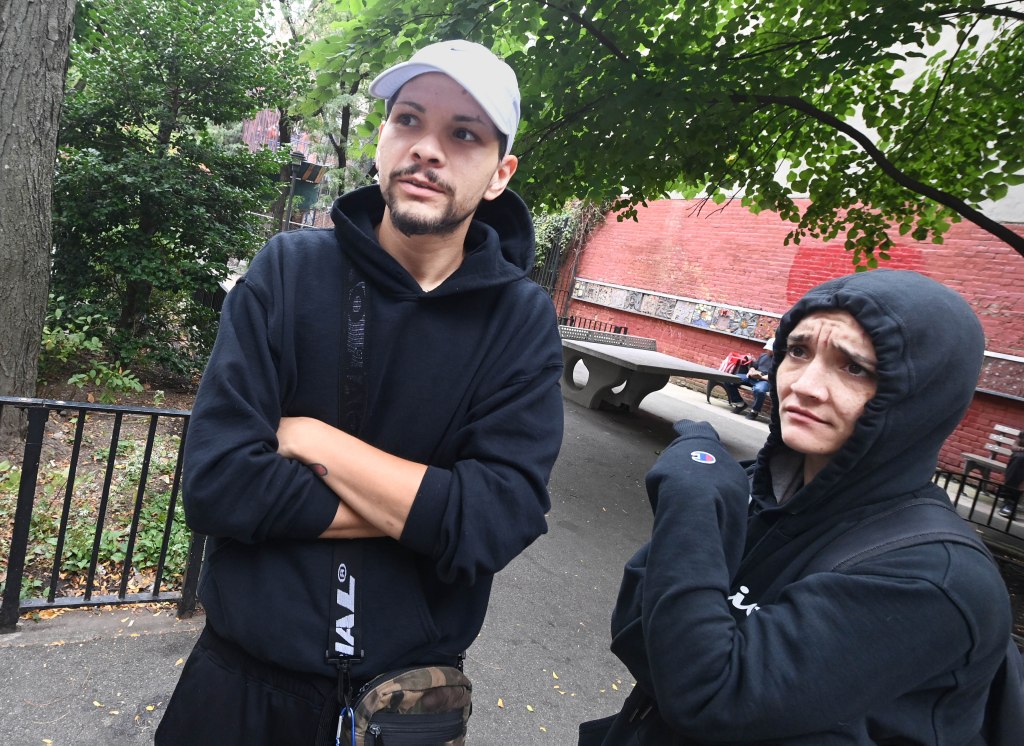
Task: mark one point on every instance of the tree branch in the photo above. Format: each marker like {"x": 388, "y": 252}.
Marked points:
{"x": 986, "y": 10}
{"x": 605, "y": 40}
{"x": 889, "y": 169}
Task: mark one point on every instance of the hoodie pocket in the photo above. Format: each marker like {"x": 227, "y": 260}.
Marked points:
{"x": 278, "y": 600}
{"x": 391, "y": 615}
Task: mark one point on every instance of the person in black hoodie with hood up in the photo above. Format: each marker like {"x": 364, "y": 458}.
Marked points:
{"x": 373, "y": 435}
{"x": 732, "y": 632}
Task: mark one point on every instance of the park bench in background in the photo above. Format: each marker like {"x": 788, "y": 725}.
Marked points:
{"x": 999, "y": 442}
{"x": 738, "y": 363}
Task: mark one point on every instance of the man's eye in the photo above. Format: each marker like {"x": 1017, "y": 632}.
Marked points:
{"x": 465, "y": 135}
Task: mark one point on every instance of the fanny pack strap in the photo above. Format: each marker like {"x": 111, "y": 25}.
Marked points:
{"x": 344, "y": 632}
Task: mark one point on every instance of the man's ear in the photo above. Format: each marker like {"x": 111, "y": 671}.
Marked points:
{"x": 502, "y": 175}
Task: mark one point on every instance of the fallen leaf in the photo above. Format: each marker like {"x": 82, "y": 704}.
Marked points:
{"x": 615, "y": 687}
{"x": 543, "y": 729}
{"x": 98, "y": 704}
{"x": 47, "y": 741}
{"x": 529, "y": 708}
{"x": 114, "y": 712}
{"x": 179, "y": 661}
{"x": 554, "y": 675}
{"x": 56, "y": 642}
{"x": 501, "y": 703}
{"x": 150, "y": 708}
{"x": 134, "y": 634}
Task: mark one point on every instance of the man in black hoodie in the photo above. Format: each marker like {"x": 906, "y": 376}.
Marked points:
{"x": 733, "y": 631}
{"x": 374, "y": 433}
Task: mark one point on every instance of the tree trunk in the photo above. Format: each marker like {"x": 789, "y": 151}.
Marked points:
{"x": 34, "y": 39}
{"x": 284, "y": 144}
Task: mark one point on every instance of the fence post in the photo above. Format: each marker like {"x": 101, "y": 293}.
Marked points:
{"x": 37, "y": 417}
{"x": 190, "y": 585}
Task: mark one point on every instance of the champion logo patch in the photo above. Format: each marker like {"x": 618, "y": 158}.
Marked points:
{"x": 702, "y": 457}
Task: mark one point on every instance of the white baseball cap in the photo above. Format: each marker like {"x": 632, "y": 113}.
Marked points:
{"x": 473, "y": 66}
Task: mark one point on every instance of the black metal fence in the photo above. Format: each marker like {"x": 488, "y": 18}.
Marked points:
{"x": 977, "y": 501}
{"x": 549, "y": 276}
{"x": 97, "y": 512}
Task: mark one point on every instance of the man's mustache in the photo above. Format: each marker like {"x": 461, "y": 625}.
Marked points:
{"x": 425, "y": 174}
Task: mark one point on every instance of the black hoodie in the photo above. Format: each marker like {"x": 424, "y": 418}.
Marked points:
{"x": 464, "y": 378}
{"x": 731, "y": 633}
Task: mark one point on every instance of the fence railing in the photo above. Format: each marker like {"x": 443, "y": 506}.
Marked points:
{"x": 97, "y": 510}
{"x": 975, "y": 499}
{"x": 599, "y": 326}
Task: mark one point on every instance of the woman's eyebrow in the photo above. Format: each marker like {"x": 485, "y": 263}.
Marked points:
{"x": 868, "y": 362}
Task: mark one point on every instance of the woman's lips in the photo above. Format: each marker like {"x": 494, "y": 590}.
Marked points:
{"x": 803, "y": 414}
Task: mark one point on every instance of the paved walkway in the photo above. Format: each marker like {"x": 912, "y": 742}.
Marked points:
{"x": 540, "y": 666}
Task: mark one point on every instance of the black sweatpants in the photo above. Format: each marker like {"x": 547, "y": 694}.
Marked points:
{"x": 226, "y": 697}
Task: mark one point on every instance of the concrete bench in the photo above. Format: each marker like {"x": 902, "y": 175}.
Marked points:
{"x": 621, "y": 376}
{"x": 999, "y": 444}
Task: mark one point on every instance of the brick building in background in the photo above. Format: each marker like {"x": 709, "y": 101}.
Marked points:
{"x": 709, "y": 281}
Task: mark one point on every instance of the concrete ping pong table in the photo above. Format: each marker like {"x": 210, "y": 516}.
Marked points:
{"x": 635, "y": 373}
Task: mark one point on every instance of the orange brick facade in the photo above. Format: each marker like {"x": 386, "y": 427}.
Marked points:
{"x": 728, "y": 256}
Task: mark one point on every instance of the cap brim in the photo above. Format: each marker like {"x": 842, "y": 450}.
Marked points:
{"x": 389, "y": 82}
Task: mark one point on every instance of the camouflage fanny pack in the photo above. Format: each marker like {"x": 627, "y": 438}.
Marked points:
{"x": 425, "y": 706}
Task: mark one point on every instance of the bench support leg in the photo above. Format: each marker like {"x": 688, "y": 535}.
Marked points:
{"x": 603, "y": 377}
{"x": 638, "y": 385}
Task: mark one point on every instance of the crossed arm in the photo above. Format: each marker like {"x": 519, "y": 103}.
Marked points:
{"x": 375, "y": 489}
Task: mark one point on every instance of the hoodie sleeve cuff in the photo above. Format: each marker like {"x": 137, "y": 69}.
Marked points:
{"x": 686, "y": 429}
{"x": 423, "y": 525}
{"x": 316, "y": 515}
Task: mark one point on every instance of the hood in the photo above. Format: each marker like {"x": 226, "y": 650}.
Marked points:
{"x": 499, "y": 245}
{"x": 929, "y": 346}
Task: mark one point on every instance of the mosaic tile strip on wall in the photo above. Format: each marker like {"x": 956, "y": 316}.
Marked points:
{"x": 1000, "y": 375}
{"x": 739, "y": 322}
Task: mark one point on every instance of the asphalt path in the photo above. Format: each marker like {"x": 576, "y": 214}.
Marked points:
{"x": 540, "y": 666}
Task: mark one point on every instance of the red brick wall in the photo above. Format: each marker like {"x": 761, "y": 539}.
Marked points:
{"x": 728, "y": 255}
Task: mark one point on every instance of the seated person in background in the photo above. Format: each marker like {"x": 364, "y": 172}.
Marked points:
{"x": 735, "y": 627}
{"x": 757, "y": 378}
{"x": 1013, "y": 481}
